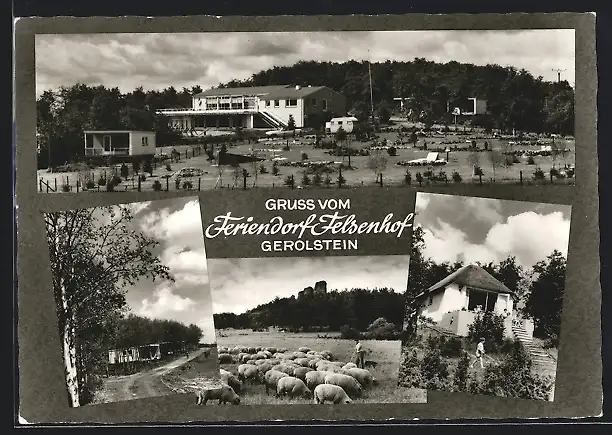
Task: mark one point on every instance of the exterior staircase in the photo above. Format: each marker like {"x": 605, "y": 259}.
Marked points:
{"x": 272, "y": 120}
{"x": 543, "y": 362}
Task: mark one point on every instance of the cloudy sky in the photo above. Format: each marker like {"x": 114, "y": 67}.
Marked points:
{"x": 157, "y": 60}
{"x": 241, "y": 284}
{"x": 459, "y": 228}
{"x": 177, "y": 224}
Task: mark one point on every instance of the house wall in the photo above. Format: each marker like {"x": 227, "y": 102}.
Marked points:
{"x": 336, "y": 103}
{"x": 451, "y": 299}
{"x": 282, "y": 111}
{"x": 137, "y": 148}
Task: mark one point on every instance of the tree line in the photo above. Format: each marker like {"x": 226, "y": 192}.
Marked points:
{"x": 515, "y": 98}
{"x": 355, "y": 308}
{"x": 538, "y": 290}
{"x": 95, "y": 254}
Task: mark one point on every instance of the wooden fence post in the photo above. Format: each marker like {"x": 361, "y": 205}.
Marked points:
{"x": 521, "y": 177}
{"x": 139, "y": 184}
{"x": 167, "y": 184}
{"x": 199, "y": 183}
{"x": 54, "y": 184}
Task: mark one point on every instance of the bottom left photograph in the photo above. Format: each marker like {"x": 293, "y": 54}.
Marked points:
{"x": 133, "y": 300}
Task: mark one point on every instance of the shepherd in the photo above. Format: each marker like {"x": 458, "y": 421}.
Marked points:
{"x": 360, "y": 354}
{"x": 479, "y": 353}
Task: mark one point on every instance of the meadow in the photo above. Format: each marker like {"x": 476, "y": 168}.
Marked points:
{"x": 460, "y": 161}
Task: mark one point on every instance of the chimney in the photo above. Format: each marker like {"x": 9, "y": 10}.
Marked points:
{"x": 298, "y": 87}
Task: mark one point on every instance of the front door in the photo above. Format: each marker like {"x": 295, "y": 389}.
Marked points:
{"x": 106, "y": 141}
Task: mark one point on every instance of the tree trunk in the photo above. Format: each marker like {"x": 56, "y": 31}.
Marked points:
{"x": 72, "y": 383}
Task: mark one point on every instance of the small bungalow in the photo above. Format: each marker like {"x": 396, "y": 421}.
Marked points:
{"x": 348, "y": 124}
{"x": 122, "y": 143}
{"x": 454, "y": 302}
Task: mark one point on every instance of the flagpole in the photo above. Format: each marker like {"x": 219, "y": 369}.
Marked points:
{"x": 371, "y": 95}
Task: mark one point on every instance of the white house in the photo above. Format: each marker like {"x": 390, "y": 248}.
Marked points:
{"x": 454, "y": 302}
{"x": 125, "y": 143}
{"x": 256, "y": 107}
{"x": 348, "y": 123}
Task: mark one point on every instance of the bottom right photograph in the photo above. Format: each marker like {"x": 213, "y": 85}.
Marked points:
{"x": 484, "y": 296}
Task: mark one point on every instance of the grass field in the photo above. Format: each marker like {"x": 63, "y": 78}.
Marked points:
{"x": 200, "y": 372}
{"x": 385, "y": 353}
{"x": 360, "y": 175}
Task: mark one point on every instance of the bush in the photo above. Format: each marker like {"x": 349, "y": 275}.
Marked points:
{"x": 460, "y": 379}
{"x": 142, "y": 177}
{"x": 457, "y": 177}
{"x": 101, "y": 181}
{"x": 410, "y": 375}
{"x": 168, "y": 167}
{"x": 187, "y": 185}
{"x": 341, "y": 180}
{"x": 262, "y": 169}
{"x": 116, "y": 180}
{"x": 407, "y": 177}
{"x": 305, "y": 179}
{"x": 90, "y": 184}
{"x": 66, "y": 187}
{"x": 304, "y": 156}
{"x": 286, "y": 148}
{"x": 538, "y": 174}
{"x": 419, "y": 177}
{"x": 110, "y": 186}
{"x": 317, "y": 180}
{"x": 392, "y": 151}
{"x": 434, "y": 370}
{"x": 350, "y": 333}
{"x": 554, "y": 172}
{"x": 327, "y": 181}
{"x": 530, "y": 160}
{"x": 148, "y": 167}
{"x": 491, "y": 327}
{"x": 275, "y": 170}
{"x": 124, "y": 170}
{"x": 157, "y": 186}
{"x": 478, "y": 171}
{"x": 290, "y": 181}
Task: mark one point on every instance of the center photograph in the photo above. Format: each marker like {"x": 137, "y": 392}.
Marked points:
{"x": 311, "y": 329}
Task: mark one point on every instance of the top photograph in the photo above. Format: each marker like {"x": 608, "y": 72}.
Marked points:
{"x": 142, "y": 112}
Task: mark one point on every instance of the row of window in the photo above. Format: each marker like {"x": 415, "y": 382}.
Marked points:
{"x": 106, "y": 142}
{"x": 237, "y": 105}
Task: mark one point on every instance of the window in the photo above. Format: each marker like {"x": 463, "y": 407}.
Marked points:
{"x": 313, "y": 101}
{"x": 224, "y": 106}
{"x": 276, "y": 103}
{"x": 485, "y": 300}
{"x": 324, "y": 103}
{"x": 339, "y": 122}
{"x": 145, "y": 141}
{"x": 106, "y": 141}
{"x": 430, "y": 300}
{"x": 291, "y": 103}
{"x": 267, "y": 103}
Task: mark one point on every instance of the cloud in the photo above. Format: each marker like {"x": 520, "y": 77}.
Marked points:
{"x": 156, "y": 60}
{"x": 164, "y": 304}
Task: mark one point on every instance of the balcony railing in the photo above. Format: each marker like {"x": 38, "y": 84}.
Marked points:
{"x": 102, "y": 152}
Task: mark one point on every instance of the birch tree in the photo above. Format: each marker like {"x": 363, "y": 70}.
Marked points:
{"x": 95, "y": 253}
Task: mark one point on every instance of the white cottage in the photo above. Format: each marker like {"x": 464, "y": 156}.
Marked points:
{"x": 454, "y": 302}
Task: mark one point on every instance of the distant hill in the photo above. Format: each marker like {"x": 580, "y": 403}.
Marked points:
{"x": 316, "y": 308}
{"x": 515, "y": 98}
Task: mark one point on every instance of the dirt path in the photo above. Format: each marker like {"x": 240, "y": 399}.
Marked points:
{"x": 141, "y": 385}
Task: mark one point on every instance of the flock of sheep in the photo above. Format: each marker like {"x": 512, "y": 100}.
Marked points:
{"x": 302, "y": 373}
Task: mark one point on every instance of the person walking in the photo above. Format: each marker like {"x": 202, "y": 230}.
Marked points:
{"x": 479, "y": 353}
{"x": 360, "y": 354}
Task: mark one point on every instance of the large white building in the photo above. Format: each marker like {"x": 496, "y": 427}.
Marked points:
{"x": 258, "y": 107}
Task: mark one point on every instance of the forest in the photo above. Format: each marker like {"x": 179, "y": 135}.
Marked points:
{"x": 515, "y": 100}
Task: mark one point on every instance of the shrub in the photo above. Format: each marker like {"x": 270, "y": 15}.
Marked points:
{"x": 110, "y": 186}
{"x": 317, "y": 180}
{"x": 341, "y": 180}
{"x": 515, "y": 159}
{"x": 538, "y": 174}
{"x": 263, "y": 169}
{"x": 478, "y": 171}
{"x": 101, "y": 181}
{"x": 407, "y": 177}
{"x": 554, "y": 172}
{"x": 452, "y": 347}
{"x": 428, "y": 173}
{"x": 305, "y": 179}
{"x": 157, "y": 186}
{"x": 148, "y": 167}
{"x": 290, "y": 181}
{"x": 275, "y": 170}
{"x": 187, "y": 185}
{"x": 457, "y": 177}
{"x": 460, "y": 379}
{"x": 66, "y": 187}
{"x": 530, "y": 160}
{"x": 327, "y": 181}
{"x": 286, "y": 148}
{"x": 434, "y": 370}
{"x": 168, "y": 167}
{"x": 349, "y": 332}
{"x": 304, "y": 156}
{"x": 419, "y": 177}
{"x": 136, "y": 166}
{"x": 90, "y": 184}
{"x": 142, "y": 177}
{"x": 392, "y": 151}
{"x": 124, "y": 170}
{"x": 491, "y": 327}
{"x": 116, "y": 180}
{"x": 441, "y": 176}
{"x": 410, "y": 375}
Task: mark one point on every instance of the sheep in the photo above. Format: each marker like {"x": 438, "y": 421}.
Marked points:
{"x": 231, "y": 380}
{"x": 241, "y": 356}
{"x": 300, "y": 372}
{"x": 313, "y": 363}
{"x": 251, "y": 350}
{"x": 222, "y": 349}
{"x": 315, "y": 378}
{"x": 327, "y": 355}
{"x": 259, "y": 362}
{"x": 278, "y": 355}
{"x": 348, "y": 383}
{"x": 338, "y": 363}
{"x": 271, "y": 349}
{"x": 299, "y": 355}
{"x": 225, "y": 394}
{"x": 267, "y": 353}
{"x": 285, "y": 369}
{"x": 247, "y": 372}
{"x": 282, "y": 350}
{"x": 271, "y": 379}
{"x": 293, "y": 387}
{"x": 304, "y": 349}
{"x": 288, "y": 356}
{"x": 348, "y": 366}
{"x": 363, "y": 376}
{"x": 302, "y": 361}
{"x": 235, "y": 351}
{"x": 311, "y": 353}
{"x": 330, "y": 393}
{"x": 225, "y": 358}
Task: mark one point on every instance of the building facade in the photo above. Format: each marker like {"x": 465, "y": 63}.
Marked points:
{"x": 121, "y": 143}
{"x": 258, "y": 107}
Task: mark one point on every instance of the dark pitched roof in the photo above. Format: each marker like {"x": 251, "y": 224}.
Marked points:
{"x": 471, "y": 276}
{"x": 276, "y": 91}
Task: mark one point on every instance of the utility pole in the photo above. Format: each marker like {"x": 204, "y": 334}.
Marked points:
{"x": 371, "y": 94}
